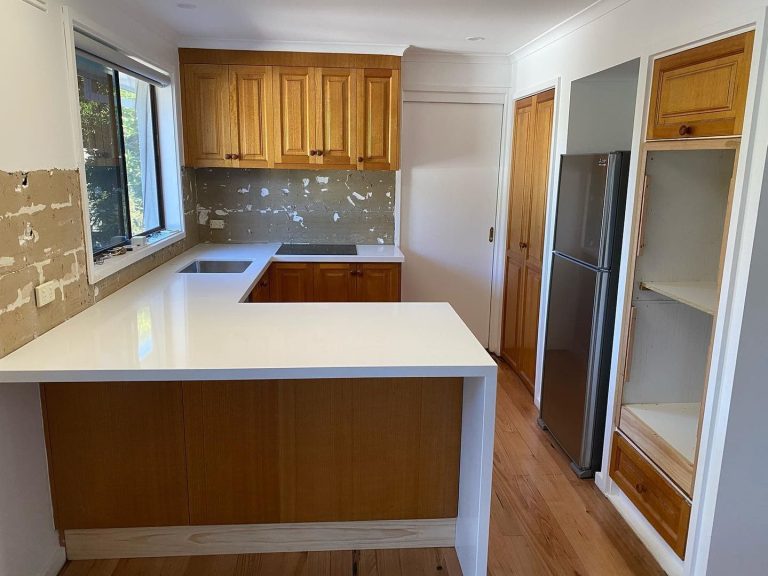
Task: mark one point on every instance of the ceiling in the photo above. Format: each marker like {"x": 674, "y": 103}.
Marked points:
{"x": 439, "y": 25}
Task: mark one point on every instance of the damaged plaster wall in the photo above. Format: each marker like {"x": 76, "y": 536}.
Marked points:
{"x": 42, "y": 239}
{"x": 332, "y": 206}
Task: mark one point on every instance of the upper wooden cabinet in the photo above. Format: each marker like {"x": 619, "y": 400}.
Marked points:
{"x": 294, "y": 115}
{"x": 227, "y": 121}
{"x": 206, "y": 115}
{"x": 266, "y": 109}
{"x": 250, "y": 92}
{"x": 701, "y": 92}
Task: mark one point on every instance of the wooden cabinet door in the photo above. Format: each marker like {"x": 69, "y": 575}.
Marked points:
{"x": 528, "y": 317}
{"x": 116, "y": 454}
{"x": 701, "y": 92}
{"x": 260, "y": 292}
{"x": 378, "y": 282}
{"x": 233, "y": 446}
{"x": 294, "y": 116}
{"x": 250, "y": 89}
{"x": 378, "y": 113}
{"x": 334, "y": 282}
{"x": 206, "y": 115}
{"x": 336, "y": 91}
{"x": 519, "y": 208}
{"x": 291, "y": 282}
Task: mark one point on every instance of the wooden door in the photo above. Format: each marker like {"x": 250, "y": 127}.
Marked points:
{"x": 334, "y": 282}
{"x": 260, "y": 292}
{"x": 294, "y": 117}
{"x": 251, "y": 116}
{"x": 702, "y": 91}
{"x": 378, "y": 282}
{"x": 206, "y": 115}
{"x": 378, "y": 113}
{"x": 336, "y": 111}
{"x": 519, "y": 203}
{"x": 525, "y": 240}
{"x": 116, "y": 454}
{"x": 291, "y": 282}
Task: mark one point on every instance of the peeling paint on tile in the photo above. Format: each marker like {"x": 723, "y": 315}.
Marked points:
{"x": 42, "y": 239}
{"x": 336, "y": 206}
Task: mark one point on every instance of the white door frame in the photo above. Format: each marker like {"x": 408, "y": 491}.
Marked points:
{"x": 479, "y": 95}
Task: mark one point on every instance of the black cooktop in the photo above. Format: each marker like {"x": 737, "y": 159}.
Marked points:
{"x": 317, "y": 250}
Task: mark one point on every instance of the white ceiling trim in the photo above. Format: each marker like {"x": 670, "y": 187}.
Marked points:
{"x": 416, "y": 55}
{"x": 293, "y": 46}
{"x": 589, "y": 14}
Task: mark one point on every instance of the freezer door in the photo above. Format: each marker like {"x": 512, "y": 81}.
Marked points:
{"x": 570, "y": 379}
{"x": 583, "y": 208}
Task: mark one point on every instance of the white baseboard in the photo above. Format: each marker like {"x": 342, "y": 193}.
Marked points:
{"x": 258, "y": 538}
{"x": 55, "y": 562}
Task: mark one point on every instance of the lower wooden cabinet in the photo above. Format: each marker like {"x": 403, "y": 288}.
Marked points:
{"x": 248, "y": 452}
{"x": 660, "y": 502}
{"x": 116, "y": 454}
{"x": 330, "y": 282}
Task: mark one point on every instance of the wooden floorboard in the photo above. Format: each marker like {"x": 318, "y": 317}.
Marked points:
{"x": 544, "y": 521}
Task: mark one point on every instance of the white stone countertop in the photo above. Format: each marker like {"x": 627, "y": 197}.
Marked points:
{"x": 167, "y": 326}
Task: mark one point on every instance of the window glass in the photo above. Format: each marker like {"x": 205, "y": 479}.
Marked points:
{"x": 119, "y": 140}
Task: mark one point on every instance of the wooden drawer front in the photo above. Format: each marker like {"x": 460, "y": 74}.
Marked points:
{"x": 701, "y": 92}
{"x": 664, "y": 507}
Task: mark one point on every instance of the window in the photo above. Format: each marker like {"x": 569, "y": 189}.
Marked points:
{"x": 118, "y": 113}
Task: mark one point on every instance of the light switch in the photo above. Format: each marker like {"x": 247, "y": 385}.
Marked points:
{"x": 45, "y": 293}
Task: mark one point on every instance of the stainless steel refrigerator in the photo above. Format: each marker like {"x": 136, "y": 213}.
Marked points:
{"x": 582, "y": 304}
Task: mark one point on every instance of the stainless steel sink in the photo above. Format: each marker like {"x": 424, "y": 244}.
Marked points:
{"x": 216, "y": 267}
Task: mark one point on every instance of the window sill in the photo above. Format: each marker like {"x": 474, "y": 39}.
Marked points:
{"x": 114, "y": 264}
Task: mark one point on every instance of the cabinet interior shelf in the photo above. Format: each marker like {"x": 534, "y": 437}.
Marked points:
{"x": 699, "y": 295}
{"x": 675, "y": 422}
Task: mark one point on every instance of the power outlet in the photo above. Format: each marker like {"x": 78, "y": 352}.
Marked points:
{"x": 216, "y": 224}
{"x": 45, "y": 293}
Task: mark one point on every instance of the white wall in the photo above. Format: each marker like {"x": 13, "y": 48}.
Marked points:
{"x": 28, "y": 543}
{"x": 645, "y": 28}
{"x": 37, "y": 134}
{"x": 34, "y": 104}
{"x": 741, "y": 515}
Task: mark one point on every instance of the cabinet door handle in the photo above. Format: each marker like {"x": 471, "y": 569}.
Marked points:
{"x": 685, "y": 130}
{"x": 235, "y": 156}
{"x": 640, "y": 487}
{"x": 490, "y": 234}
{"x": 312, "y": 152}
{"x": 360, "y": 159}
{"x": 523, "y": 245}
{"x": 319, "y": 152}
{"x": 228, "y": 156}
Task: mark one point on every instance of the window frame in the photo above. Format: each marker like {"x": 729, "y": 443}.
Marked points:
{"x": 167, "y": 151}
{"x": 124, "y": 167}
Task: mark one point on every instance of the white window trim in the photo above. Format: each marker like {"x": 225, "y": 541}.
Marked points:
{"x": 169, "y": 164}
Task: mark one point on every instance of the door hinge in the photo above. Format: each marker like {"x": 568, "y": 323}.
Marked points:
{"x": 491, "y": 234}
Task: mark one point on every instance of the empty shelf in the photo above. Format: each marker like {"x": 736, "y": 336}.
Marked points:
{"x": 675, "y": 423}
{"x": 700, "y": 295}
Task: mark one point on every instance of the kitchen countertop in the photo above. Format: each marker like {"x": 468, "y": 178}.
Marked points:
{"x": 167, "y": 326}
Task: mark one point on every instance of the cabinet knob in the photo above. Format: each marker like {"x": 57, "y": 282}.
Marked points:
{"x": 235, "y": 156}
{"x": 685, "y": 130}
{"x": 228, "y": 156}
{"x": 523, "y": 245}
{"x": 360, "y": 159}
{"x": 319, "y": 152}
{"x": 640, "y": 487}
{"x": 312, "y": 152}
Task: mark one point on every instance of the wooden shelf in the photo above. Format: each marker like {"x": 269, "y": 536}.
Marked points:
{"x": 700, "y": 295}
{"x": 667, "y": 433}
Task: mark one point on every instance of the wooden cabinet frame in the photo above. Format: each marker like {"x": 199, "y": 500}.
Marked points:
{"x": 676, "y": 468}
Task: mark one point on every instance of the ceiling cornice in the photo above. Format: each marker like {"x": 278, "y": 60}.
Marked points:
{"x": 589, "y": 14}
{"x": 433, "y": 56}
{"x": 292, "y": 46}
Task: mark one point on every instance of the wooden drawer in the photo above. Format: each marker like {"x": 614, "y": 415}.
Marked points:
{"x": 701, "y": 92}
{"x": 665, "y": 508}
